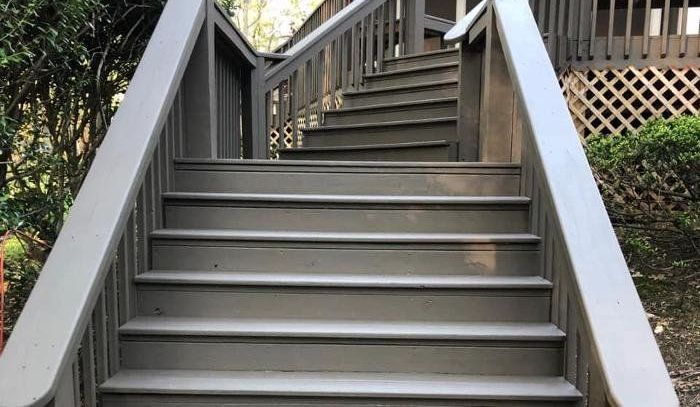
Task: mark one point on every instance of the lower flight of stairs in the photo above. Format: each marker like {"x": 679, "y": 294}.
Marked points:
{"x": 316, "y": 283}
{"x": 407, "y": 112}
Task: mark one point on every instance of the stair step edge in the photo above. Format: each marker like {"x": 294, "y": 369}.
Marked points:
{"x": 186, "y": 277}
{"x": 351, "y": 237}
{"x": 383, "y": 106}
{"x": 401, "y": 87}
{"x": 521, "y": 332}
{"x": 350, "y": 199}
{"x": 330, "y": 384}
{"x": 384, "y": 74}
{"x": 419, "y": 55}
{"x": 417, "y": 144}
{"x": 397, "y": 123}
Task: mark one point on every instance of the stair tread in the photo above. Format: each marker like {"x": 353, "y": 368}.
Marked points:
{"x": 396, "y": 123}
{"x": 297, "y": 236}
{"x": 332, "y": 384}
{"x": 412, "y": 86}
{"x": 359, "y": 199}
{"x": 335, "y": 165}
{"x": 426, "y": 67}
{"x": 252, "y": 278}
{"x": 392, "y": 105}
{"x": 304, "y": 328}
{"x": 416, "y": 144}
{"x": 423, "y": 54}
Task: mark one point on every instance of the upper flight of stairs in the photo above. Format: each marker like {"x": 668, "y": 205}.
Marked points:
{"x": 407, "y": 112}
{"x": 346, "y": 283}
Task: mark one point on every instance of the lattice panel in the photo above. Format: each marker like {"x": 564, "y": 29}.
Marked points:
{"x": 617, "y": 100}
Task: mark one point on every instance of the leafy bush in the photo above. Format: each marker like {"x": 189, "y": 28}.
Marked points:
{"x": 651, "y": 177}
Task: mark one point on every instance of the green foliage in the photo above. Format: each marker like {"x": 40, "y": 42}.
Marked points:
{"x": 650, "y": 181}
{"x": 63, "y": 66}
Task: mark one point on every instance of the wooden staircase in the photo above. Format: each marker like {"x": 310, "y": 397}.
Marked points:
{"x": 408, "y": 112}
{"x": 348, "y": 283}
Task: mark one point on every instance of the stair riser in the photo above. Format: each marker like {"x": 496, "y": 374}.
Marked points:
{"x": 393, "y": 96}
{"x": 411, "y": 78}
{"x": 290, "y": 217}
{"x": 284, "y": 355}
{"x": 420, "y": 154}
{"x": 416, "y": 62}
{"x": 345, "y": 303}
{"x": 491, "y": 260}
{"x": 381, "y": 135}
{"x": 483, "y": 184}
{"x": 146, "y": 400}
{"x": 390, "y": 114}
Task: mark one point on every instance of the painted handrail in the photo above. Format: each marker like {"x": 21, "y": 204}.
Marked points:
{"x": 460, "y": 31}
{"x": 623, "y": 349}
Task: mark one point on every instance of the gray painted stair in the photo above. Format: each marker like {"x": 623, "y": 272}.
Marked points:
{"x": 422, "y": 151}
{"x": 350, "y": 214}
{"x": 409, "y": 76}
{"x": 421, "y": 59}
{"x": 386, "y": 133}
{"x": 347, "y": 178}
{"x": 386, "y": 275}
{"x": 144, "y": 387}
{"x": 405, "y": 93}
{"x": 407, "y": 113}
{"x": 392, "y": 112}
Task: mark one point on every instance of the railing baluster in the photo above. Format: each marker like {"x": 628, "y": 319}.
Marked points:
{"x": 402, "y": 25}
{"x": 584, "y": 18}
{"x": 392, "y": 28}
{"x": 308, "y": 78}
{"x": 369, "y": 44}
{"x": 684, "y": 28}
{"x": 320, "y": 88}
{"x": 628, "y": 28}
{"x": 294, "y": 107}
{"x": 380, "y": 37}
{"x": 333, "y": 79}
{"x": 611, "y": 29}
{"x": 112, "y": 309}
{"x": 101, "y": 342}
{"x": 647, "y": 28}
{"x": 665, "y": 28}
{"x": 552, "y": 39}
{"x": 87, "y": 367}
{"x": 594, "y": 26}
{"x": 283, "y": 94}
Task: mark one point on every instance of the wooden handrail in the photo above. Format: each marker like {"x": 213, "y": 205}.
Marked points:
{"x": 624, "y": 350}
{"x": 49, "y": 330}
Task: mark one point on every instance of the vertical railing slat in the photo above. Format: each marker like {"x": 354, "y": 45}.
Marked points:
{"x": 628, "y": 28}
{"x": 665, "y": 28}
{"x": 647, "y": 27}
{"x": 594, "y": 26}
{"x": 611, "y": 30}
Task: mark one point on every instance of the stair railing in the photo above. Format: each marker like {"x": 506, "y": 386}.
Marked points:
{"x": 611, "y": 355}
{"x": 66, "y": 341}
{"x": 333, "y": 59}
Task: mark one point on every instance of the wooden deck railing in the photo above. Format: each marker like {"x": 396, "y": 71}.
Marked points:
{"x": 66, "y": 342}
{"x": 331, "y": 60}
{"x": 618, "y": 33}
{"x": 611, "y": 354}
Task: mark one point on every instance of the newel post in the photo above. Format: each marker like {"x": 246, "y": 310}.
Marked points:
{"x": 415, "y": 26}
{"x": 255, "y": 139}
{"x": 199, "y": 99}
{"x": 498, "y": 116}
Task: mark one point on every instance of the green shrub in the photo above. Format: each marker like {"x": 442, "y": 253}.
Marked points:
{"x": 650, "y": 180}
